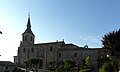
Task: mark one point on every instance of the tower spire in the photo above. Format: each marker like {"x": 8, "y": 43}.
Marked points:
{"x": 28, "y": 30}
{"x": 28, "y": 23}
{"x": 28, "y": 36}
{"x": 29, "y": 14}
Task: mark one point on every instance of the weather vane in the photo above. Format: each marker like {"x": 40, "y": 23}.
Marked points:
{"x": 29, "y": 14}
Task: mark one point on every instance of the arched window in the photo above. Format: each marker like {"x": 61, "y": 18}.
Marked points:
{"x": 32, "y": 50}
{"x": 24, "y": 50}
{"x": 51, "y": 49}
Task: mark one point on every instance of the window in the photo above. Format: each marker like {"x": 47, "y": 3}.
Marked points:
{"x": 51, "y": 49}
{"x": 6, "y": 67}
{"x": 25, "y": 38}
{"x": 31, "y": 38}
{"x": 23, "y": 49}
{"x": 75, "y": 54}
{"x": 59, "y": 54}
{"x": 32, "y": 50}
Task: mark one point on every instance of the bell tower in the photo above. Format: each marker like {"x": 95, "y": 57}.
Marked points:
{"x": 28, "y": 36}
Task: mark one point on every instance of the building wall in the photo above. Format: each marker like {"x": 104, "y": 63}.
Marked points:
{"x": 16, "y": 59}
{"x": 49, "y": 52}
{"x": 43, "y": 52}
{"x": 26, "y": 52}
{"x": 80, "y": 55}
{"x": 7, "y": 68}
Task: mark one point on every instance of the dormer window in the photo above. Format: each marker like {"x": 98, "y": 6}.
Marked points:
{"x": 51, "y": 49}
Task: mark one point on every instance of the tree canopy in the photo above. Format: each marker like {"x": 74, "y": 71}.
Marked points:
{"x": 87, "y": 65}
{"x": 111, "y": 42}
{"x": 68, "y": 64}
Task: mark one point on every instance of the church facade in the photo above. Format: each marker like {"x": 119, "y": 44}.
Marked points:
{"x": 53, "y": 51}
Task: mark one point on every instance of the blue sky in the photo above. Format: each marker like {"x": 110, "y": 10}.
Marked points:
{"x": 76, "y": 21}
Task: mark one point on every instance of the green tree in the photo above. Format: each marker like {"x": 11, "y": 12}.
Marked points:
{"x": 100, "y": 61}
{"x": 107, "y": 67}
{"x": 68, "y": 65}
{"x": 27, "y": 63}
{"x": 32, "y": 62}
{"x": 87, "y": 61}
{"x": 57, "y": 69}
{"x": 86, "y": 66}
{"x": 51, "y": 63}
{"x": 111, "y": 42}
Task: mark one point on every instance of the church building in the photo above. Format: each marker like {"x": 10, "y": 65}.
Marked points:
{"x": 56, "y": 51}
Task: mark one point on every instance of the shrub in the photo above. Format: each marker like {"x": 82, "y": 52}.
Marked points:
{"x": 107, "y": 67}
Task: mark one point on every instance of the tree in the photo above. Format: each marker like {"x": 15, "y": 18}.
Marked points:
{"x": 57, "y": 69}
{"x": 51, "y": 63}
{"x": 107, "y": 67}
{"x": 27, "y": 63}
{"x": 86, "y": 65}
{"x": 87, "y": 61}
{"x": 111, "y": 42}
{"x": 32, "y": 62}
{"x": 68, "y": 64}
{"x": 102, "y": 60}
